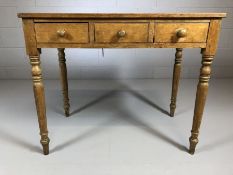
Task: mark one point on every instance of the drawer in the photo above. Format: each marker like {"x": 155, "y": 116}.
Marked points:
{"x": 121, "y": 32}
{"x": 62, "y": 32}
{"x": 181, "y": 32}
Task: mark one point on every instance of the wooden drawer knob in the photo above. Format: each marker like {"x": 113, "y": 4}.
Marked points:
{"x": 121, "y": 33}
{"x": 61, "y": 33}
{"x": 181, "y": 33}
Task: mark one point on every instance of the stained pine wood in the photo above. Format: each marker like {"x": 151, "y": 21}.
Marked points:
{"x": 74, "y": 32}
{"x": 134, "y": 32}
{"x": 156, "y": 30}
{"x": 121, "y": 15}
{"x": 203, "y": 84}
{"x": 64, "y": 81}
{"x": 175, "y": 80}
{"x": 38, "y": 88}
{"x": 201, "y": 95}
{"x": 213, "y": 37}
{"x": 167, "y": 32}
{"x": 30, "y": 37}
{"x": 91, "y": 32}
{"x": 122, "y": 45}
{"x": 151, "y": 31}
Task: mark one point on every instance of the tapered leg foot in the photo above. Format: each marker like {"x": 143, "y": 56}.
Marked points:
{"x": 45, "y": 145}
{"x": 172, "y": 111}
{"x": 67, "y": 113}
{"x": 193, "y": 142}
{"x": 175, "y": 80}
{"x": 64, "y": 81}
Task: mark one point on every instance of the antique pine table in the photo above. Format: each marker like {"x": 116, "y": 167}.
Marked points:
{"x": 90, "y": 30}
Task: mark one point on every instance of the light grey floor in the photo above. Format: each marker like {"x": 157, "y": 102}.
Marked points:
{"x": 116, "y": 128}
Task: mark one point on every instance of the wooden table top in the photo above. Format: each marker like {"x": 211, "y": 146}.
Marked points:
{"x": 121, "y": 15}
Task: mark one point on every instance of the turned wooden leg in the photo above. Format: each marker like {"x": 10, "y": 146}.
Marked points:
{"x": 175, "y": 81}
{"x": 64, "y": 82}
{"x": 38, "y": 88}
{"x": 202, "y": 90}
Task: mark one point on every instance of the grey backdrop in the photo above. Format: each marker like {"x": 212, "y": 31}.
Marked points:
{"x": 115, "y": 63}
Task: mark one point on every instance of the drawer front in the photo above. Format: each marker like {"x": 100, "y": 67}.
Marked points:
{"x": 181, "y": 32}
{"x": 62, "y": 32}
{"x": 121, "y": 32}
